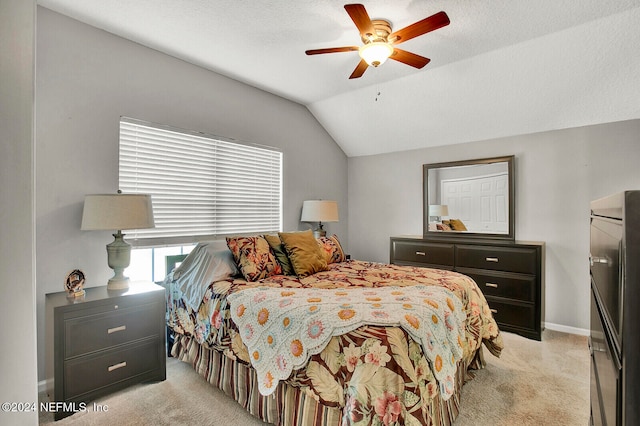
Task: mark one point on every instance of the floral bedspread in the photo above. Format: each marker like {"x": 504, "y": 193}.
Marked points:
{"x": 375, "y": 374}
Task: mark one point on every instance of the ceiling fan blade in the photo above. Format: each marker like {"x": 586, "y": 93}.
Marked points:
{"x": 429, "y": 24}
{"x": 409, "y": 58}
{"x": 360, "y": 17}
{"x": 360, "y": 69}
{"x": 331, "y": 50}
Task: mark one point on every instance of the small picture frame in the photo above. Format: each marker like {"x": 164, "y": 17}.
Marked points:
{"x": 74, "y": 283}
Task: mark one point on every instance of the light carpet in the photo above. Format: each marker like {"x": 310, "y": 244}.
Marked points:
{"x": 532, "y": 383}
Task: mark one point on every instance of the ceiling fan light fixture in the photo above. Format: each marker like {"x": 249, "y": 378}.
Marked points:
{"x": 375, "y": 53}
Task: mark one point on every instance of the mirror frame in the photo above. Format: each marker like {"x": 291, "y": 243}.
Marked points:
{"x": 510, "y": 236}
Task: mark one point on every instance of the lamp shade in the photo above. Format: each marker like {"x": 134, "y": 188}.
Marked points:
{"x": 319, "y": 211}
{"x": 438, "y": 210}
{"x": 117, "y": 212}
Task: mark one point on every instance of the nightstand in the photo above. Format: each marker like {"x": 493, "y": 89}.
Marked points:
{"x": 103, "y": 342}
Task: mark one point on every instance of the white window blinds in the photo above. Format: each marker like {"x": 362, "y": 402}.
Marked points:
{"x": 202, "y": 186}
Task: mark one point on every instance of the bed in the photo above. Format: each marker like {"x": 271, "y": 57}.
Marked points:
{"x": 298, "y": 334}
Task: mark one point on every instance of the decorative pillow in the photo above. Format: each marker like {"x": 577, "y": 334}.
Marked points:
{"x": 304, "y": 252}
{"x": 208, "y": 262}
{"x": 253, "y": 257}
{"x": 457, "y": 225}
{"x": 443, "y": 227}
{"x": 280, "y": 253}
{"x": 332, "y": 249}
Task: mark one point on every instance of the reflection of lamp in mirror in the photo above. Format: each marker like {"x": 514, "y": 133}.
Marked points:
{"x": 319, "y": 211}
{"x": 116, "y": 212}
{"x": 436, "y": 211}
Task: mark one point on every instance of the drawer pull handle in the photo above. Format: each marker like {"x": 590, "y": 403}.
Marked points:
{"x": 116, "y": 366}
{"x": 421, "y": 253}
{"x": 596, "y": 259}
{"x": 116, "y": 329}
{"x": 492, "y": 259}
{"x": 491, "y": 285}
{"x": 495, "y": 311}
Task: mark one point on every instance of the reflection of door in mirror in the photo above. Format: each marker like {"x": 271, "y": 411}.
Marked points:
{"x": 477, "y": 195}
{"x": 481, "y": 202}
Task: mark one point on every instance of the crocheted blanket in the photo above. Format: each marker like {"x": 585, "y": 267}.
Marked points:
{"x": 282, "y": 328}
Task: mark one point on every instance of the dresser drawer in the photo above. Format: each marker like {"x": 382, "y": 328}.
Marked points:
{"x": 86, "y": 374}
{"x": 100, "y": 331}
{"x": 507, "y": 314}
{"x": 519, "y": 287}
{"x": 424, "y": 253}
{"x": 508, "y": 259}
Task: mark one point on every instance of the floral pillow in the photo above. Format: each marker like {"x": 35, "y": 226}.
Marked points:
{"x": 332, "y": 249}
{"x": 253, "y": 257}
{"x": 443, "y": 227}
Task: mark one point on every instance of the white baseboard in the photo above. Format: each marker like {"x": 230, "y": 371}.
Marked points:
{"x": 42, "y": 385}
{"x": 567, "y": 329}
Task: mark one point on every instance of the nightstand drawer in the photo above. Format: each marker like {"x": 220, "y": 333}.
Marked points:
{"x": 425, "y": 253}
{"x": 507, "y": 314}
{"x": 507, "y": 259}
{"x": 86, "y": 374}
{"x": 96, "y": 332}
{"x": 520, "y": 287}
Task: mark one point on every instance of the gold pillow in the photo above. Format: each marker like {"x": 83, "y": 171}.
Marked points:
{"x": 457, "y": 225}
{"x": 304, "y": 252}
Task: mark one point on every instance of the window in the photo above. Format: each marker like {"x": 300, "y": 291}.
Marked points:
{"x": 148, "y": 264}
{"x": 202, "y": 186}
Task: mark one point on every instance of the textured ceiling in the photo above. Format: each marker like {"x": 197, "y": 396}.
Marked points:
{"x": 263, "y": 44}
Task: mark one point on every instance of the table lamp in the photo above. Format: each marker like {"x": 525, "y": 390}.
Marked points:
{"x": 117, "y": 212}
{"x": 436, "y": 211}
{"x": 319, "y": 211}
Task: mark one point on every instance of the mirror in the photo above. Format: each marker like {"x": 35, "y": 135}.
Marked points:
{"x": 469, "y": 199}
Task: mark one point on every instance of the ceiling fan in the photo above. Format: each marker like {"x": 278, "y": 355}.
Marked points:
{"x": 379, "y": 41}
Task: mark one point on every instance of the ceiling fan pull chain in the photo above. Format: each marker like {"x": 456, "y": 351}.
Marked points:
{"x": 378, "y": 90}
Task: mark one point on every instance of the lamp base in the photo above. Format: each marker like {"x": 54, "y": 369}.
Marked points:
{"x": 118, "y": 258}
{"x": 319, "y": 231}
{"x": 318, "y": 234}
{"x": 118, "y": 284}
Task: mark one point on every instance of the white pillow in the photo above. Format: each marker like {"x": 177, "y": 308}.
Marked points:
{"x": 208, "y": 262}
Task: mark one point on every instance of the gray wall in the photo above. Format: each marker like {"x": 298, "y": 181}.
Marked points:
{"x": 87, "y": 79}
{"x": 17, "y": 63}
{"x": 557, "y": 174}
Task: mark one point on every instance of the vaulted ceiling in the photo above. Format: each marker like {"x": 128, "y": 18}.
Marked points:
{"x": 502, "y": 67}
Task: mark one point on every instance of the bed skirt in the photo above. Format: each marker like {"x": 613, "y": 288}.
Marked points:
{"x": 290, "y": 405}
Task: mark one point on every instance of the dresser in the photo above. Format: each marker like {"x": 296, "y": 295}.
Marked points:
{"x": 614, "y": 341}
{"x": 510, "y": 274}
{"x": 103, "y": 342}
